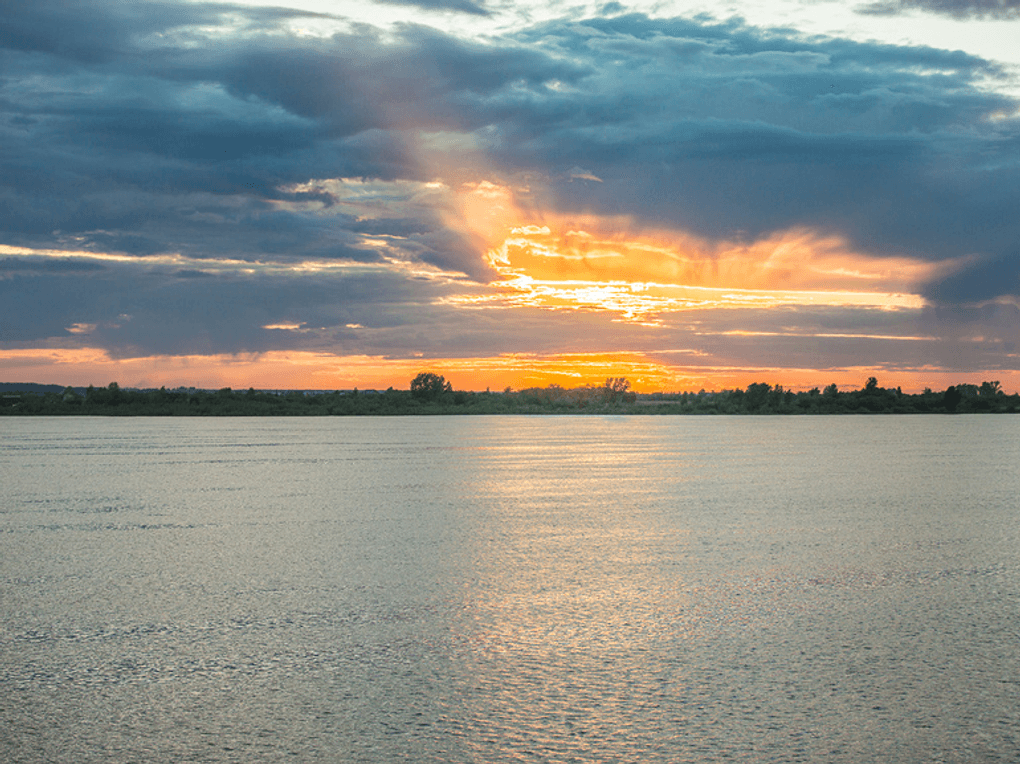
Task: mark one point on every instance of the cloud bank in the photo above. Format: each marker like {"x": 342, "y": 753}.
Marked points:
{"x": 201, "y": 178}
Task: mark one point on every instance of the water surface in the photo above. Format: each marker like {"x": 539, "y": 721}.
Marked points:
{"x": 534, "y": 589}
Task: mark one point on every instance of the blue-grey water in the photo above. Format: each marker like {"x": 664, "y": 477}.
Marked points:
{"x": 490, "y": 589}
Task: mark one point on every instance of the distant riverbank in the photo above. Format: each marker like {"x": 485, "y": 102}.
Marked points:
{"x": 614, "y": 397}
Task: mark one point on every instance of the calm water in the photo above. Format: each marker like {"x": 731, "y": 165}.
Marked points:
{"x": 558, "y": 589}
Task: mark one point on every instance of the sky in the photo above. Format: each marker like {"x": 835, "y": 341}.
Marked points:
{"x": 325, "y": 195}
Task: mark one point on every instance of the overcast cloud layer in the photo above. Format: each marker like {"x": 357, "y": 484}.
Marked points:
{"x": 199, "y": 146}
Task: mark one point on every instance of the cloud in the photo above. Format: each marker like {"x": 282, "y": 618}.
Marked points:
{"x": 156, "y": 136}
{"x": 117, "y": 29}
{"x": 959, "y": 9}
{"x": 459, "y": 6}
{"x": 729, "y": 130}
{"x": 11, "y": 266}
{"x": 246, "y": 176}
{"x": 576, "y": 173}
{"x": 139, "y": 305}
{"x": 983, "y": 280}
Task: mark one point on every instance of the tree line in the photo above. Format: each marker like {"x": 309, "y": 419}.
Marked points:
{"x": 430, "y": 393}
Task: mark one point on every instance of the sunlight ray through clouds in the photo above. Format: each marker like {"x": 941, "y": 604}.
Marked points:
{"x": 553, "y": 261}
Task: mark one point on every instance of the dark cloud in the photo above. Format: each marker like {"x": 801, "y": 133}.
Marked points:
{"x": 164, "y": 139}
{"x": 22, "y": 265}
{"x": 984, "y": 280}
{"x": 98, "y": 31}
{"x": 192, "y": 273}
{"x": 460, "y": 6}
{"x": 959, "y": 9}
{"x": 143, "y": 308}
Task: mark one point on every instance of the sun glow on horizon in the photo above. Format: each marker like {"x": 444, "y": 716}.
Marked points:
{"x": 667, "y": 370}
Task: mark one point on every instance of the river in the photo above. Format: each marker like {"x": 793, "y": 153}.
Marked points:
{"x": 523, "y": 589}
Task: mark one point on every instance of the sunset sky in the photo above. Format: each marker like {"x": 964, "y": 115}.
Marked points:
{"x": 324, "y": 194}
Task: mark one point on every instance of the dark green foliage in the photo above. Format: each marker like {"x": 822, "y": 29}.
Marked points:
{"x": 429, "y": 387}
{"x": 432, "y": 394}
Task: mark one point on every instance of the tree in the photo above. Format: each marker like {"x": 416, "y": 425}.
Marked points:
{"x": 428, "y": 386}
{"x": 990, "y": 389}
{"x": 615, "y": 388}
{"x": 951, "y": 399}
{"x": 756, "y": 396}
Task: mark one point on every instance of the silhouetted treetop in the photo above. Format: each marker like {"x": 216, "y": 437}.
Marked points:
{"x": 428, "y": 386}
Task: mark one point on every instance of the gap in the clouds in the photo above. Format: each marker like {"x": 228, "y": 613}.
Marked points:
{"x": 561, "y": 261}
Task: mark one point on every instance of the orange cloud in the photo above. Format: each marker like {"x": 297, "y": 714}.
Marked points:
{"x": 606, "y": 263}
